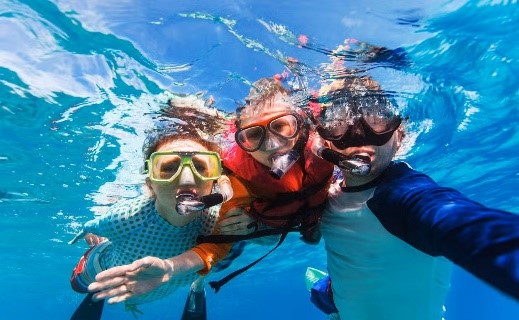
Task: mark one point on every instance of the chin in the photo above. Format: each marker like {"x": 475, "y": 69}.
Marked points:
{"x": 266, "y": 163}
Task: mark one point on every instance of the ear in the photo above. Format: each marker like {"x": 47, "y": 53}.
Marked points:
{"x": 400, "y": 135}
{"x": 150, "y": 188}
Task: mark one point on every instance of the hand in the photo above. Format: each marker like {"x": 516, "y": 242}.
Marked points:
{"x": 120, "y": 283}
{"x": 237, "y": 222}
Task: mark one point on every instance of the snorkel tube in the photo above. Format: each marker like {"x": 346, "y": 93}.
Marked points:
{"x": 282, "y": 163}
{"x": 356, "y": 165}
{"x": 189, "y": 203}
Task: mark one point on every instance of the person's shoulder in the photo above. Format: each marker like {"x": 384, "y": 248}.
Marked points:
{"x": 402, "y": 173}
{"x": 402, "y": 164}
{"x": 399, "y": 169}
{"x": 132, "y": 204}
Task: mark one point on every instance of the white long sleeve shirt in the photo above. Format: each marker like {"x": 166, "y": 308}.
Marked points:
{"x": 374, "y": 274}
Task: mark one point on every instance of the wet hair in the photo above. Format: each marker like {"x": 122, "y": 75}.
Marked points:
{"x": 262, "y": 92}
{"x": 183, "y": 117}
{"x": 346, "y": 99}
{"x": 172, "y": 132}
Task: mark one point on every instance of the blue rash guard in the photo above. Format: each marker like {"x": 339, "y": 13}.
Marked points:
{"x": 135, "y": 230}
{"x": 442, "y": 222}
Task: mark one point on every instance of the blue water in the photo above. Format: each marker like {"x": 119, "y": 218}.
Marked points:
{"x": 78, "y": 77}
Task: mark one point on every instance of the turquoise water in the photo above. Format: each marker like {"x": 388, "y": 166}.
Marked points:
{"x": 77, "y": 79}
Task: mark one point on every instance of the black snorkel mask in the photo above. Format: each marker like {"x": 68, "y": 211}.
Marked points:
{"x": 354, "y": 119}
{"x": 360, "y": 132}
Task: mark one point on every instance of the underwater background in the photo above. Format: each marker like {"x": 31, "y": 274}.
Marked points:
{"x": 79, "y": 79}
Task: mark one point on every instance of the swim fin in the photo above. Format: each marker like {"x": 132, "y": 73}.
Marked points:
{"x": 195, "y": 308}
{"x": 89, "y": 309}
{"x": 319, "y": 284}
{"x": 313, "y": 275}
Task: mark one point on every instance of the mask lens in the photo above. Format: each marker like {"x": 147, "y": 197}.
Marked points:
{"x": 206, "y": 165}
{"x": 285, "y": 126}
{"x": 333, "y": 130}
{"x": 380, "y": 123}
{"x": 250, "y": 138}
{"x": 165, "y": 167}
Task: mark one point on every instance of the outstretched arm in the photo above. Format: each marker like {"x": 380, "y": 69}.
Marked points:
{"x": 442, "y": 221}
{"x": 120, "y": 283}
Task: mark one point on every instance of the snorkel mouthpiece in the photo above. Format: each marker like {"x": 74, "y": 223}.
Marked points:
{"x": 354, "y": 165}
{"x": 358, "y": 165}
{"x": 188, "y": 203}
{"x": 282, "y": 163}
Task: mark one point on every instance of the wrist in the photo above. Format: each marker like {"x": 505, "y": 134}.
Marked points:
{"x": 169, "y": 268}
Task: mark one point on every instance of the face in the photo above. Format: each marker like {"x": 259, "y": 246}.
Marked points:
{"x": 273, "y": 144}
{"x": 380, "y": 157}
{"x": 186, "y": 183}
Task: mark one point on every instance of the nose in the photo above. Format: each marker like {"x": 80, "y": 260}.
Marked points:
{"x": 187, "y": 178}
{"x": 272, "y": 142}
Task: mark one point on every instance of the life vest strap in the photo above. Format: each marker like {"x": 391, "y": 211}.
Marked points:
{"x": 216, "y": 285}
{"x": 223, "y": 238}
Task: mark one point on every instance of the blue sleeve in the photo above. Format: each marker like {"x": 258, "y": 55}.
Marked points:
{"x": 442, "y": 221}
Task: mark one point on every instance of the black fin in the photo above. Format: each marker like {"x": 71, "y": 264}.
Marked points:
{"x": 89, "y": 309}
{"x": 195, "y": 308}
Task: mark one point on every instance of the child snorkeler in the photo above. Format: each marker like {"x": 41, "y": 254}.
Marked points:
{"x": 182, "y": 170}
{"x": 375, "y": 224}
{"x": 279, "y": 181}
{"x": 279, "y": 185}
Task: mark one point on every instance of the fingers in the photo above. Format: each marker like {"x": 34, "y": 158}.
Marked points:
{"x": 237, "y": 225}
{"x": 235, "y": 216}
{"x": 232, "y": 221}
{"x": 107, "y": 283}
{"x": 114, "y": 272}
{"x": 115, "y": 294}
{"x": 120, "y": 298}
{"x": 144, "y": 263}
{"x": 234, "y": 212}
{"x": 126, "y": 270}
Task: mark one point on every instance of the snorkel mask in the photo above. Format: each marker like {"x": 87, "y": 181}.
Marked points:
{"x": 166, "y": 167}
{"x": 272, "y": 133}
{"x": 354, "y": 121}
{"x": 360, "y": 133}
{"x": 355, "y": 116}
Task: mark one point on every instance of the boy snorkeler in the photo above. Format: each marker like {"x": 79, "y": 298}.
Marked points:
{"x": 387, "y": 233}
{"x": 276, "y": 177}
